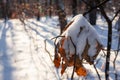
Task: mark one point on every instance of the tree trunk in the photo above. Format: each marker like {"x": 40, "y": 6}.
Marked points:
{"x": 92, "y": 17}
{"x": 6, "y": 11}
{"x": 74, "y": 7}
{"x": 1, "y": 9}
{"x": 38, "y": 16}
{"x": 92, "y": 14}
{"x": 62, "y": 16}
{"x": 108, "y": 50}
{"x": 50, "y": 12}
{"x": 109, "y": 42}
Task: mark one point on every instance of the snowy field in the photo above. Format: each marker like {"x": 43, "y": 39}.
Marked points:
{"x": 23, "y": 55}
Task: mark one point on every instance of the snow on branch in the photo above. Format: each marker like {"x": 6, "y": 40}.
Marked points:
{"x": 80, "y": 41}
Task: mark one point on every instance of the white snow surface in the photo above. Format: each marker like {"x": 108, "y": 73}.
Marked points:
{"x": 23, "y": 55}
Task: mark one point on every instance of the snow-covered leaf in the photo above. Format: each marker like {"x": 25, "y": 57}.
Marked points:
{"x": 80, "y": 40}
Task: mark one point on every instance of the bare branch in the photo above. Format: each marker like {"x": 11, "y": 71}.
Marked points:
{"x": 74, "y": 59}
{"x": 48, "y": 51}
{"x": 116, "y": 14}
{"x": 104, "y": 14}
{"x": 116, "y": 56}
{"x": 54, "y": 45}
{"x": 92, "y": 8}
{"x": 97, "y": 72}
{"x": 57, "y": 37}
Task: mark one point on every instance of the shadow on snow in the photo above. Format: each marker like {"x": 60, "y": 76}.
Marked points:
{"x": 5, "y": 58}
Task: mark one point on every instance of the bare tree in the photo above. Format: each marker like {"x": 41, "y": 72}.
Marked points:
{"x": 109, "y": 42}
{"x": 100, "y": 4}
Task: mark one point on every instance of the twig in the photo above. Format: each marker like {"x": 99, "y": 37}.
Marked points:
{"x": 74, "y": 59}
{"x": 97, "y": 61}
{"x": 57, "y": 37}
{"x": 116, "y": 14}
{"x": 103, "y": 52}
{"x": 54, "y": 45}
{"x": 55, "y": 42}
{"x": 110, "y": 50}
{"x": 97, "y": 72}
{"x": 116, "y": 57}
{"x": 48, "y": 51}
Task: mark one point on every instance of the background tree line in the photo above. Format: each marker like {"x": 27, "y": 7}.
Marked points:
{"x": 38, "y": 8}
{"x": 12, "y": 8}
{"x": 70, "y": 7}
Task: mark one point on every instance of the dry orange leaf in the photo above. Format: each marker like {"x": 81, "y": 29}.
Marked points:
{"x": 61, "y": 50}
{"x": 62, "y": 41}
{"x": 81, "y": 71}
{"x": 71, "y": 63}
{"x": 63, "y": 68}
{"x": 57, "y": 62}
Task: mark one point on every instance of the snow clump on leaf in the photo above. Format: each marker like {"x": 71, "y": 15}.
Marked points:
{"x": 80, "y": 40}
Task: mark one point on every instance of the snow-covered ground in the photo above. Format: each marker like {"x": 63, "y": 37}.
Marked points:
{"x": 23, "y": 55}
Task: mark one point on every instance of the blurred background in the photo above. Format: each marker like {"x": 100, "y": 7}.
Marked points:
{"x": 32, "y": 8}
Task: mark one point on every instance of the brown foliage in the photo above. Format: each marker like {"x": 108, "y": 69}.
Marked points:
{"x": 60, "y": 57}
{"x": 68, "y": 62}
{"x": 81, "y": 71}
